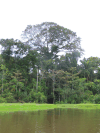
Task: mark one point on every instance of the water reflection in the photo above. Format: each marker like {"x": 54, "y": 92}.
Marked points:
{"x": 51, "y": 121}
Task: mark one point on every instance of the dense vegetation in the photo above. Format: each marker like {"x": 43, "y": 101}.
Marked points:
{"x": 44, "y": 68}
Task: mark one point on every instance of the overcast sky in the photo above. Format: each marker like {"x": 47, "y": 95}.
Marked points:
{"x": 80, "y": 16}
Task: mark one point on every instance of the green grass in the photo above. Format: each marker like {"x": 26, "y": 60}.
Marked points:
{"x": 13, "y": 107}
{"x": 80, "y": 106}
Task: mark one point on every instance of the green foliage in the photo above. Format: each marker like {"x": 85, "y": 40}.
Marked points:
{"x": 37, "y": 97}
{"x": 87, "y": 94}
{"x": 61, "y": 102}
{"x": 73, "y": 102}
{"x": 97, "y": 98}
{"x": 33, "y": 71}
{"x": 10, "y": 98}
{"x": 92, "y": 99}
{"x": 3, "y": 100}
{"x": 24, "y": 97}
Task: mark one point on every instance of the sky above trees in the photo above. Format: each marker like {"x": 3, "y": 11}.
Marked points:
{"x": 81, "y": 17}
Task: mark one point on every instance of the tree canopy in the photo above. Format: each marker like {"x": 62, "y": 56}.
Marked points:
{"x": 43, "y": 67}
{"x": 49, "y": 39}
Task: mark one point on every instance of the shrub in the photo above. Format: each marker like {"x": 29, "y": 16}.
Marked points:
{"x": 92, "y": 98}
{"x": 73, "y": 102}
{"x": 10, "y": 98}
{"x": 61, "y": 102}
{"x": 97, "y": 99}
{"x": 37, "y": 97}
{"x": 3, "y": 100}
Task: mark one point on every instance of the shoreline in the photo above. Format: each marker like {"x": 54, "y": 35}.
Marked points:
{"x": 16, "y": 107}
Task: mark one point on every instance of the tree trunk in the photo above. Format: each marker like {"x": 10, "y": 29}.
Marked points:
{"x": 59, "y": 97}
{"x": 37, "y": 81}
{"x": 2, "y": 83}
{"x": 53, "y": 88}
{"x": 53, "y": 93}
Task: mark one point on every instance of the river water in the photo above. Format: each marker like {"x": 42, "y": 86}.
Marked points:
{"x": 51, "y": 121}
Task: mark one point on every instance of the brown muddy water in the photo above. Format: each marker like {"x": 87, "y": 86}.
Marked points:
{"x": 51, "y": 121}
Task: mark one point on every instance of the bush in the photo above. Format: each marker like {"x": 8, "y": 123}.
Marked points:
{"x": 73, "y": 102}
{"x": 41, "y": 97}
{"x": 61, "y": 102}
{"x": 10, "y": 98}
{"x": 37, "y": 97}
{"x": 57, "y": 102}
{"x": 24, "y": 97}
{"x": 85, "y": 101}
{"x": 97, "y": 99}
{"x": 92, "y": 99}
{"x": 20, "y": 101}
{"x": 3, "y": 100}
{"x": 70, "y": 99}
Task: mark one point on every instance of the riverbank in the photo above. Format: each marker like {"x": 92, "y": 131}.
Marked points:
{"x": 13, "y": 107}
{"x": 79, "y": 106}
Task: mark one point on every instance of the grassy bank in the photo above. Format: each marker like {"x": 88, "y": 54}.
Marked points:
{"x": 13, "y": 107}
{"x": 79, "y": 106}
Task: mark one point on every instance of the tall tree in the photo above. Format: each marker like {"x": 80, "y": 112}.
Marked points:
{"x": 49, "y": 39}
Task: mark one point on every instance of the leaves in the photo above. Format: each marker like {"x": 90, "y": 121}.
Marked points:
{"x": 47, "y": 59}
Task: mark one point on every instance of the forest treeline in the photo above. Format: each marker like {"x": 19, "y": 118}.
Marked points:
{"x": 43, "y": 67}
